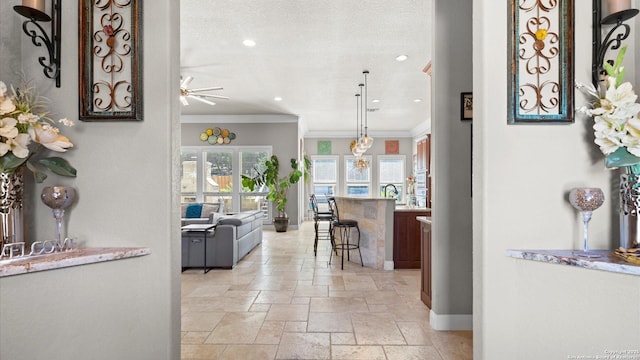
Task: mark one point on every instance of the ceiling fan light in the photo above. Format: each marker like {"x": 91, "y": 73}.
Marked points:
{"x": 185, "y": 83}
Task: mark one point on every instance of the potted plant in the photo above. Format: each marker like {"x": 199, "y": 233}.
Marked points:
{"x": 277, "y": 186}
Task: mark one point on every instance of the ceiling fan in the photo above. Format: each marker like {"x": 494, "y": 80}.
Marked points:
{"x": 197, "y": 94}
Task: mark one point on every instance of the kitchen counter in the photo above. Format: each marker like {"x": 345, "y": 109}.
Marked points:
{"x": 405, "y": 208}
{"x": 375, "y": 220}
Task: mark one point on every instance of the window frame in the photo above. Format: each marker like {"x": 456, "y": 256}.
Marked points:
{"x": 402, "y": 184}
{"x": 237, "y": 193}
{"x": 348, "y": 182}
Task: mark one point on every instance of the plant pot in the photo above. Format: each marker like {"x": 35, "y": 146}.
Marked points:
{"x": 281, "y": 223}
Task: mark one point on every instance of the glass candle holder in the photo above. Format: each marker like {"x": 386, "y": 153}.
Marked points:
{"x": 586, "y": 200}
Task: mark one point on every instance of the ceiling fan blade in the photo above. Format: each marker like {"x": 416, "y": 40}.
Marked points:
{"x": 212, "y": 96}
{"x": 202, "y": 100}
{"x": 207, "y": 89}
{"x": 184, "y": 101}
{"x": 185, "y": 83}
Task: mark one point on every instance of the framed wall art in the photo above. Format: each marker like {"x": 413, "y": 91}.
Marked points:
{"x": 391, "y": 147}
{"x": 324, "y": 147}
{"x": 466, "y": 106}
{"x": 110, "y": 80}
{"x": 541, "y": 60}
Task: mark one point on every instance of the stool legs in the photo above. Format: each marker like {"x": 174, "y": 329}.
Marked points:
{"x": 345, "y": 234}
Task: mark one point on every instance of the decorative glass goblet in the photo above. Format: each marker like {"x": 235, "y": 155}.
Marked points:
{"x": 58, "y": 198}
{"x": 586, "y": 200}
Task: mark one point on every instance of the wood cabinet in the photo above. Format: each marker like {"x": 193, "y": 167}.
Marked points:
{"x": 425, "y": 250}
{"x": 406, "y": 239}
{"x": 421, "y": 154}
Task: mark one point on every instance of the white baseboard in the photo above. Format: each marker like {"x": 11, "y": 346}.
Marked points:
{"x": 450, "y": 322}
{"x": 388, "y": 265}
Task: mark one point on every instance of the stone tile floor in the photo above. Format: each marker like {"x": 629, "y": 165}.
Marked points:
{"x": 281, "y": 302}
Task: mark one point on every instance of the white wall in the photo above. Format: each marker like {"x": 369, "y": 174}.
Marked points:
{"x": 127, "y": 196}
{"x": 522, "y": 175}
{"x": 451, "y": 168}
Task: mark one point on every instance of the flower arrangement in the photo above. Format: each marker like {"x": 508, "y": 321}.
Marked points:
{"x": 615, "y": 113}
{"x": 25, "y": 132}
{"x": 411, "y": 180}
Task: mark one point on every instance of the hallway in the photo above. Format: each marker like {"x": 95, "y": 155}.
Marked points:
{"x": 281, "y": 302}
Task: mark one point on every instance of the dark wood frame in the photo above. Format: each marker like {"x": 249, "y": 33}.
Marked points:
{"x": 110, "y": 61}
{"x": 466, "y": 106}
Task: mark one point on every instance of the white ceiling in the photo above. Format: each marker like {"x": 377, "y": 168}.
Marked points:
{"x": 312, "y": 54}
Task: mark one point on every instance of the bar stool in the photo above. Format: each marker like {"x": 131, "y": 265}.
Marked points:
{"x": 344, "y": 226}
{"x": 318, "y": 217}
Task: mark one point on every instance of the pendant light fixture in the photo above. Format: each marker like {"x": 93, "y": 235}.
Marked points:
{"x": 366, "y": 140}
{"x": 355, "y": 149}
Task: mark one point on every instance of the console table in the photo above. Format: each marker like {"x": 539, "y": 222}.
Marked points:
{"x": 194, "y": 244}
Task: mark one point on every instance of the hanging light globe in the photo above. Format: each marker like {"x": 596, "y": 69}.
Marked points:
{"x": 367, "y": 141}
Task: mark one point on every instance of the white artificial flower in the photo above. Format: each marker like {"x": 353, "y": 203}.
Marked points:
{"x": 66, "y": 122}
{"x": 4, "y": 148}
{"x": 19, "y": 145}
{"x": 49, "y": 137}
{"x": 8, "y": 128}
{"x": 6, "y": 104}
{"x": 607, "y": 137}
{"x": 28, "y": 118}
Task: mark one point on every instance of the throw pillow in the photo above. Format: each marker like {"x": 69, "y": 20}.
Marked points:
{"x": 193, "y": 211}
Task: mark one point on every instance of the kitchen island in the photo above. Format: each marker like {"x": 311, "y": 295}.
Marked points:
{"x": 375, "y": 218}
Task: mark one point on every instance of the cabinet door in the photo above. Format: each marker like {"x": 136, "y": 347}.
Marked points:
{"x": 406, "y": 239}
{"x": 425, "y": 286}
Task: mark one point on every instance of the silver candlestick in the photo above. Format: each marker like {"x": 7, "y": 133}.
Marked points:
{"x": 58, "y": 198}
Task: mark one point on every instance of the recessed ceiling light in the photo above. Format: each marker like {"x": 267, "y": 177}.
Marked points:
{"x": 277, "y": 98}
{"x": 375, "y": 100}
{"x": 402, "y": 57}
{"x": 417, "y": 100}
{"x": 249, "y": 43}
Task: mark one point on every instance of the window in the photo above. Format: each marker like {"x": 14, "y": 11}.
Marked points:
{"x": 218, "y": 177}
{"x": 357, "y": 181}
{"x": 252, "y": 162}
{"x": 324, "y": 171}
{"x": 211, "y": 175}
{"x": 392, "y": 175}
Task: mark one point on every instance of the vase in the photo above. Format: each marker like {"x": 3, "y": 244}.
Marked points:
{"x": 629, "y": 208}
{"x": 11, "y": 196}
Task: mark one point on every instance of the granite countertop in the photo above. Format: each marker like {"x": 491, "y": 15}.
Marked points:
{"x": 424, "y": 219}
{"x": 607, "y": 262}
{"x": 404, "y": 208}
{"x": 82, "y": 256}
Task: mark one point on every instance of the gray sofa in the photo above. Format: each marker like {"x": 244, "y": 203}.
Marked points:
{"x": 234, "y": 237}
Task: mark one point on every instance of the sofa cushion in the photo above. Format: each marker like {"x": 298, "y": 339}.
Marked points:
{"x": 208, "y": 209}
{"x": 193, "y": 211}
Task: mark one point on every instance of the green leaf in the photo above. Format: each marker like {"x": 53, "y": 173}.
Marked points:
{"x": 621, "y": 158}
{"x": 59, "y": 166}
{"x": 39, "y": 176}
{"x": 10, "y": 162}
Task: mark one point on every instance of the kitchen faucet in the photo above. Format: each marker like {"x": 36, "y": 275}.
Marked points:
{"x": 395, "y": 189}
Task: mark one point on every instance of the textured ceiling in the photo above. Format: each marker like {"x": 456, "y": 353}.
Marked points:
{"x": 312, "y": 54}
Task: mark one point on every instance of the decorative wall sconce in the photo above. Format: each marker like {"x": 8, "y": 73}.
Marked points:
{"x": 619, "y": 12}
{"x": 34, "y": 10}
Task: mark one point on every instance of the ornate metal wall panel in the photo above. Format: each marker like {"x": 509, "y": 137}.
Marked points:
{"x": 110, "y": 60}
{"x": 541, "y": 85}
